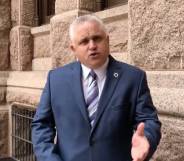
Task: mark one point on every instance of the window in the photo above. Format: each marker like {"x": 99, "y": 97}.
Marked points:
{"x": 44, "y": 10}
{"x": 105, "y": 4}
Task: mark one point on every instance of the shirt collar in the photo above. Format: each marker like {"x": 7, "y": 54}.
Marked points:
{"x": 100, "y": 72}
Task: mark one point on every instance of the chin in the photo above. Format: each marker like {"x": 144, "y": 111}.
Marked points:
{"x": 95, "y": 66}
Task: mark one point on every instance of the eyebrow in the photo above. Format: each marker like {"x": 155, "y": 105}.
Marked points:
{"x": 91, "y": 37}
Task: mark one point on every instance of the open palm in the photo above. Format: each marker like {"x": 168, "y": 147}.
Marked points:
{"x": 140, "y": 144}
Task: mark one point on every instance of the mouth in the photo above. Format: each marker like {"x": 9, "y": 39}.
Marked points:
{"x": 93, "y": 55}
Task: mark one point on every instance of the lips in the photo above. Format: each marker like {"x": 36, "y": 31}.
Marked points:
{"x": 95, "y": 54}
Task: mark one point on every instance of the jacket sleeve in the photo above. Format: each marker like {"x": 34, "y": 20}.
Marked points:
{"x": 147, "y": 113}
{"x": 43, "y": 128}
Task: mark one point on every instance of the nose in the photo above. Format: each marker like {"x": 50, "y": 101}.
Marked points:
{"x": 92, "y": 45}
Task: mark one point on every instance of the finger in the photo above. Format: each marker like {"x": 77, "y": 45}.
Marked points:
{"x": 140, "y": 129}
{"x": 139, "y": 158}
{"x": 136, "y": 159}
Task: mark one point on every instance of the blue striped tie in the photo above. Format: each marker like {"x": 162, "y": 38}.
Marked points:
{"x": 92, "y": 96}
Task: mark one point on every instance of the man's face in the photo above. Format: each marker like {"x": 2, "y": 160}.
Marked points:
{"x": 90, "y": 44}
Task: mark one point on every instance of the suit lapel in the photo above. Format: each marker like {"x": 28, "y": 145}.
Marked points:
{"x": 76, "y": 84}
{"x": 113, "y": 75}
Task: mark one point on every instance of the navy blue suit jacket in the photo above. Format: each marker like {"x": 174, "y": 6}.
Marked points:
{"x": 124, "y": 103}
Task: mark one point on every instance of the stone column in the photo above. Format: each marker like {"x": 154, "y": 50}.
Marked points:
{"x": 5, "y": 24}
{"x": 156, "y": 39}
{"x": 22, "y": 16}
{"x": 66, "y": 11}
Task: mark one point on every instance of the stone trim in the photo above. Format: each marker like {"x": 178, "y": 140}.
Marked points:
{"x": 41, "y": 30}
{"x": 119, "y": 12}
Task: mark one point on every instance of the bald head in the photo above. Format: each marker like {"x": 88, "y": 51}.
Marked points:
{"x": 83, "y": 19}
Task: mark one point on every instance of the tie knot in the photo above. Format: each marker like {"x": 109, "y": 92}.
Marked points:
{"x": 93, "y": 74}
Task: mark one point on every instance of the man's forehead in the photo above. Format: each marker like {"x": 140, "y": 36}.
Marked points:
{"x": 88, "y": 26}
{"x": 88, "y": 29}
{"x": 88, "y": 35}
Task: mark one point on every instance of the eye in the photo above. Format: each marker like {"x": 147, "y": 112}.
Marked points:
{"x": 97, "y": 38}
{"x": 84, "y": 42}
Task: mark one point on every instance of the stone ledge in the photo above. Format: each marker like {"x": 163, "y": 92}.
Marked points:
{"x": 118, "y": 12}
{"x": 32, "y": 79}
{"x": 23, "y": 95}
{"x": 112, "y": 14}
{"x": 169, "y": 100}
{"x": 4, "y": 108}
{"x": 4, "y": 74}
{"x": 167, "y": 91}
{"x": 166, "y": 79}
{"x": 69, "y": 14}
{"x": 41, "y": 30}
{"x": 43, "y": 64}
{"x": 25, "y": 87}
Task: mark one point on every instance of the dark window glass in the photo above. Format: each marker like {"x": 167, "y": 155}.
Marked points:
{"x": 105, "y": 4}
{"x": 44, "y": 10}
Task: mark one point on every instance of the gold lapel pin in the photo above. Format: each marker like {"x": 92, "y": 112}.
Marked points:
{"x": 115, "y": 75}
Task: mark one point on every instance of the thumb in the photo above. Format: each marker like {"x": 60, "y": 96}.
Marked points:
{"x": 140, "y": 129}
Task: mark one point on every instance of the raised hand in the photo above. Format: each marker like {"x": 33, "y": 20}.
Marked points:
{"x": 140, "y": 144}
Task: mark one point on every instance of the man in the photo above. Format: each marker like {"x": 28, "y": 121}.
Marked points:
{"x": 101, "y": 108}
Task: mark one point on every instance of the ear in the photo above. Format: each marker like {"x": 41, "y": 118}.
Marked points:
{"x": 72, "y": 47}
